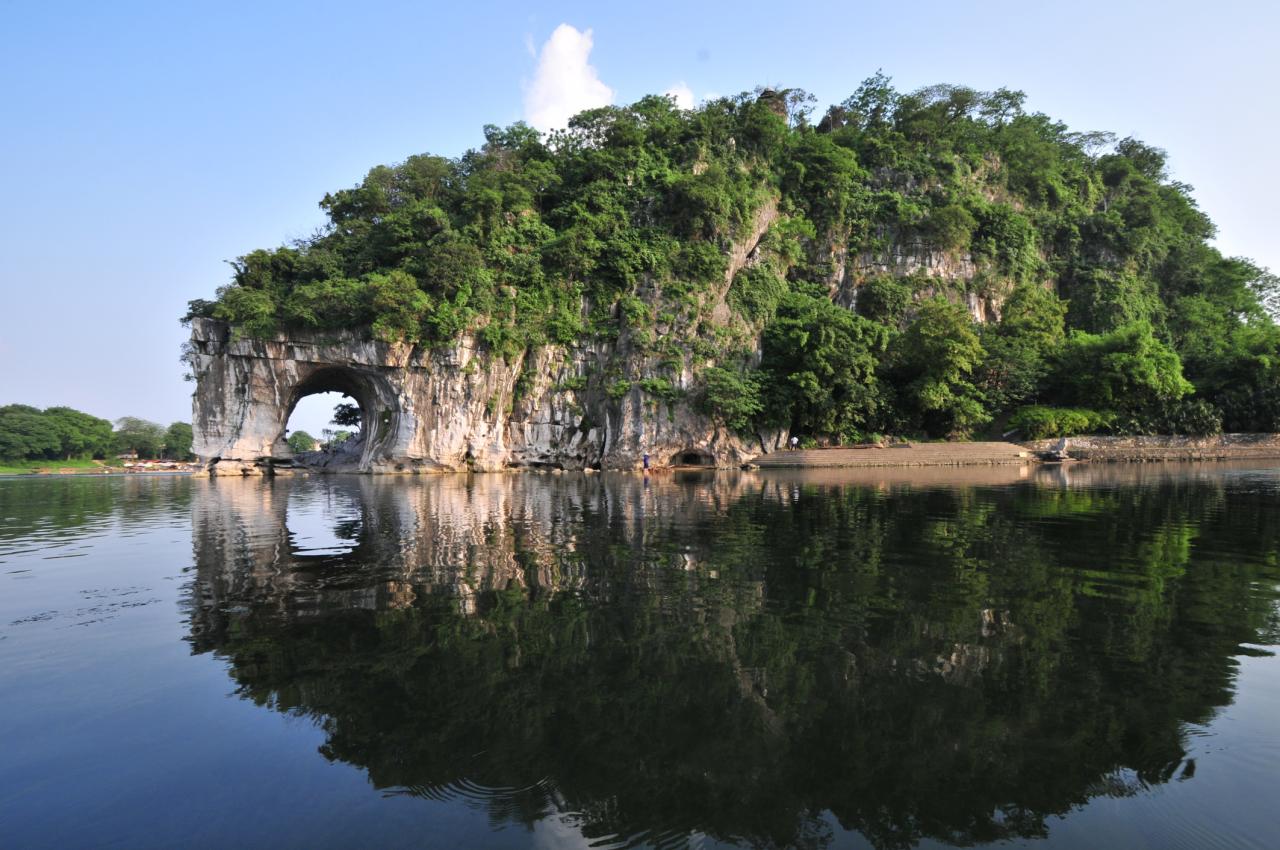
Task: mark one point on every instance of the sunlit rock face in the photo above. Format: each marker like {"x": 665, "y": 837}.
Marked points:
{"x": 457, "y": 408}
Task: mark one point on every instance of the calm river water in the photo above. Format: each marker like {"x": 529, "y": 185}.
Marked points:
{"x": 1058, "y": 657}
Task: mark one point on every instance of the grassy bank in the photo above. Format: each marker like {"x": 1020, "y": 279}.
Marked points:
{"x": 24, "y": 467}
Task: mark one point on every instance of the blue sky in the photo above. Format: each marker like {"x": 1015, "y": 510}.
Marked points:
{"x": 145, "y": 144}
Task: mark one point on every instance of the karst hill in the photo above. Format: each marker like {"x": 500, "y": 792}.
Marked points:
{"x": 700, "y": 285}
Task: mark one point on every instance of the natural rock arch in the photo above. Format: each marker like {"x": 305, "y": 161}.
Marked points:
{"x": 246, "y": 390}
{"x": 452, "y": 408}
{"x": 379, "y": 412}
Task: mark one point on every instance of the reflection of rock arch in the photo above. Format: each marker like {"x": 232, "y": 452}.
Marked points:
{"x": 325, "y": 527}
{"x": 457, "y": 537}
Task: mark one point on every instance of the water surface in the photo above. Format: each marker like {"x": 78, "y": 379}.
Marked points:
{"x": 1059, "y": 657}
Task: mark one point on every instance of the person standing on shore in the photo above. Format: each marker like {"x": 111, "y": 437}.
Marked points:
{"x": 646, "y": 463}
{"x": 794, "y": 442}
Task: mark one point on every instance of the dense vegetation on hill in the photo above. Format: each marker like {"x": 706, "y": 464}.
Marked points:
{"x": 64, "y": 433}
{"x": 1114, "y": 311}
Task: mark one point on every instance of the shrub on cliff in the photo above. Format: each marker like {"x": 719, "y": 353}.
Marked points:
{"x": 1038, "y": 422}
{"x": 1127, "y": 369}
{"x": 732, "y": 397}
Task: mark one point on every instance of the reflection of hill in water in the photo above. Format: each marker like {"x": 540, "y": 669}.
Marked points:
{"x": 736, "y": 655}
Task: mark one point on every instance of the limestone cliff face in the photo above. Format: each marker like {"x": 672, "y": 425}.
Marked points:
{"x": 951, "y": 274}
{"x": 447, "y": 409}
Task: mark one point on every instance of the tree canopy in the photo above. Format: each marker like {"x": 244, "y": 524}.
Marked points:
{"x": 64, "y": 433}
{"x": 55, "y": 433}
{"x": 178, "y": 438}
{"x": 301, "y": 441}
{"x": 139, "y": 435}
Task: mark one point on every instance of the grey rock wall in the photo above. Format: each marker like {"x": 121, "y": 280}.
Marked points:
{"x": 438, "y": 410}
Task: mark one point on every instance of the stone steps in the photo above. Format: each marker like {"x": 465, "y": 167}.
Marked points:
{"x": 915, "y": 454}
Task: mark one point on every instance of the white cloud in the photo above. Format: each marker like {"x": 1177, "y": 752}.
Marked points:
{"x": 564, "y": 83}
{"x": 682, "y": 94}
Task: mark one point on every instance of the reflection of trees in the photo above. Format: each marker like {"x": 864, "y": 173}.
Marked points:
{"x": 68, "y": 507}
{"x": 737, "y": 657}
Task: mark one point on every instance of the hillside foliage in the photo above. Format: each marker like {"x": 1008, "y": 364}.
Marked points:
{"x": 625, "y": 227}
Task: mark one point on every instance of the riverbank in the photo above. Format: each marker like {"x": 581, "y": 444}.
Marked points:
{"x": 52, "y": 467}
{"x": 92, "y": 467}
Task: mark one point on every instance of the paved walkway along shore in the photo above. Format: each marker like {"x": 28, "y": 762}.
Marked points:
{"x": 912, "y": 454}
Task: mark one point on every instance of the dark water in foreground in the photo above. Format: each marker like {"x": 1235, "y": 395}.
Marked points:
{"x": 1071, "y": 658}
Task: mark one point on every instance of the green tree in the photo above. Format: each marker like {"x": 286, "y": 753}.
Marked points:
{"x": 931, "y": 363}
{"x": 398, "y": 306}
{"x": 1126, "y": 369}
{"x": 301, "y": 441}
{"x": 1104, "y": 299}
{"x": 1018, "y": 347}
{"x": 26, "y": 433}
{"x": 79, "y": 434}
{"x": 885, "y": 299}
{"x": 951, "y": 227}
{"x": 139, "y": 435}
{"x": 346, "y": 414}
{"x": 733, "y": 397}
{"x": 178, "y": 438}
{"x": 331, "y": 439}
{"x": 819, "y": 368}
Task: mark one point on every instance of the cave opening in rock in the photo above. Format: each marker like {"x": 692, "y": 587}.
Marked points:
{"x": 312, "y": 426}
{"x": 329, "y": 416}
{"x": 692, "y": 457}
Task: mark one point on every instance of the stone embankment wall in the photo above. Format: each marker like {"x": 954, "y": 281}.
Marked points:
{"x": 1164, "y": 448}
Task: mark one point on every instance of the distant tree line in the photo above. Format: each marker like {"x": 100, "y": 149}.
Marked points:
{"x": 64, "y": 433}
